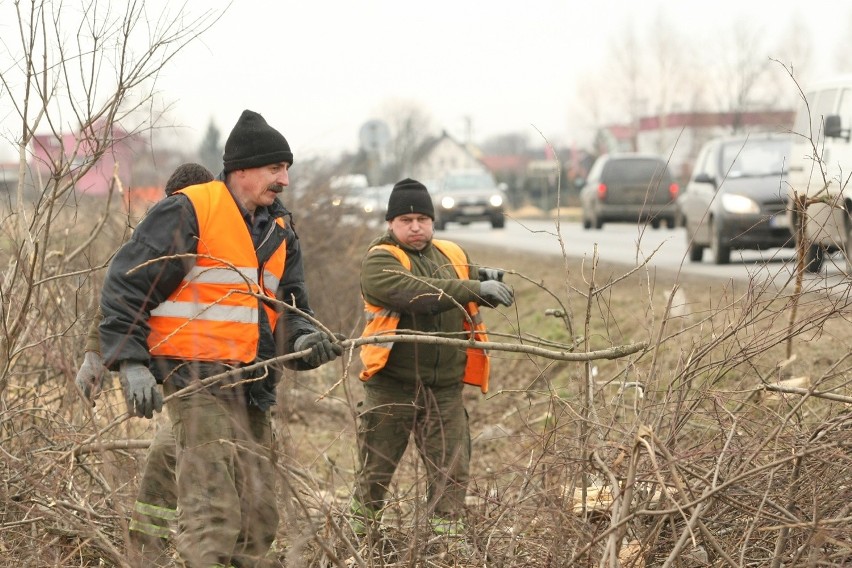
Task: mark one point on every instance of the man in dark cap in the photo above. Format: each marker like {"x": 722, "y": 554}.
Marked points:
{"x": 193, "y": 295}
{"x": 410, "y": 281}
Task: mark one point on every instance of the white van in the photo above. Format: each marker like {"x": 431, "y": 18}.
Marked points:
{"x": 820, "y": 168}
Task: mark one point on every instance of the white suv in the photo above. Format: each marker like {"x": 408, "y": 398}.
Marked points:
{"x": 820, "y": 168}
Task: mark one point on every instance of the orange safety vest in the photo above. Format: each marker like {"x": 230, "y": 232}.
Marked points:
{"x": 382, "y": 321}
{"x": 209, "y": 316}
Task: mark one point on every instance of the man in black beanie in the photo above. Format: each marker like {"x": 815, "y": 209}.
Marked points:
{"x": 193, "y": 295}
{"x": 414, "y": 282}
{"x": 409, "y": 196}
{"x": 253, "y": 143}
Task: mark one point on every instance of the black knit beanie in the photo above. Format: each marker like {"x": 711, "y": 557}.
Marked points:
{"x": 409, "y": 196}
{"x": 253, "y": 143}
{"x": 186, "y": 175}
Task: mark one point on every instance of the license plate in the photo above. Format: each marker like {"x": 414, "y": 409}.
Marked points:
{"x": 473, "y": 210}
{"x": 779, "y": 220}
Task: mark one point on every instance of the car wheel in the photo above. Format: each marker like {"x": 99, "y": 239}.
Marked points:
{"x": 440, "y": 224}
{"x": 670, "y": 223}
{"x": 721, "y": 250}
{"x": 814, "y": 257}
{"x": 655, "y": 223}
{"x": 498, "y": 222}
{"x": 587, "y": 224}
{"x": 696, "y": 252}
{"x": 597, "y": 222}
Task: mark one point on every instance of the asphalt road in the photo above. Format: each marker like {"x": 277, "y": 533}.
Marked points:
{"x": 629, "y": 244}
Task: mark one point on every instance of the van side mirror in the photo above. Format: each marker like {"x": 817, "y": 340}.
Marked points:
{"x": 834, "y": 127}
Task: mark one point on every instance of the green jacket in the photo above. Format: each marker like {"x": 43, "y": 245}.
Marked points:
{"x": 425, "y": 305}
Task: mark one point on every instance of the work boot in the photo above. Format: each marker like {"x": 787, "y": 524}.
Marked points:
{"x": 362, "y": 520}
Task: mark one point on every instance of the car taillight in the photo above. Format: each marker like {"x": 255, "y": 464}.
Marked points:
{"x": 602, "y": 191}
{"x": 673, "y": 190}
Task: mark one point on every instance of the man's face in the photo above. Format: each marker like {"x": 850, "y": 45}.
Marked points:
{"x": 258, "y": 187}
{"x": 412, "y": 229}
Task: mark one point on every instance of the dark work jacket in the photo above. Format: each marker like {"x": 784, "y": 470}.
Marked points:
{"x": 171, "y": 229}
{"x": 429, "y": 303}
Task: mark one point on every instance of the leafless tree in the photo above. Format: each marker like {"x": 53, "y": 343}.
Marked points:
{"x": 628, "y": 76}
{"x": 742, "y": 69}
{"x": 77, "y": 83}
{"x": 85, "y": 77}
{"x": 410, "y": 125}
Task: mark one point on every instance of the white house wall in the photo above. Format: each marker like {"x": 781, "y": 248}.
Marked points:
{"x": 445, "y": 156}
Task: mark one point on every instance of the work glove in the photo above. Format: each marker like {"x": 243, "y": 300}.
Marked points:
{"x": 490, "y": 274}
{"x": 324, "y": 348}
{"x": 494, "y": 293}
{"x": 140, "y": 389}
{"x": 90, "y": 375}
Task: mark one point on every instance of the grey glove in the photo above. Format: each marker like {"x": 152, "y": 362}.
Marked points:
{"x": 140, "y": 389}
{"x": 90, "y": 376}
{"x": 490, "y": 274}
{"x": 494, "y": 293}
{"x": 323, "y": 347}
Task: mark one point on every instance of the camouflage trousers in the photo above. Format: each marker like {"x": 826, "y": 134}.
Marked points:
{"x": 226, "y": 478}
{"x": 436, "y": 418}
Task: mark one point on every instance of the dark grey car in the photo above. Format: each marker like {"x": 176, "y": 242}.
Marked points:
{"x": 735, "y": 198}
{"x": 628, "y": 187}
{"x": 467, "y": 196}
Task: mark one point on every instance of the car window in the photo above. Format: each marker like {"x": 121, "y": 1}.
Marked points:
{"x": 822, "y": 107}
{"x": 634, "y": 170}
{"x": 844, "y": 109}
{"x": 701, "y": 163}
{"x": 754, "y": 158}
{"x": 595, "y": 172}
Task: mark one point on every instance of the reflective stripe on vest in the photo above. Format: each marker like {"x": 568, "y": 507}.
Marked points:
{"x": 211, "y": 315}
{"x": 383, "y": 321}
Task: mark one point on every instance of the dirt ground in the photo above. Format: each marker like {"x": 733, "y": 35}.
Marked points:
{"x": 686, "y": 451}
{"x": 534, "y": 435}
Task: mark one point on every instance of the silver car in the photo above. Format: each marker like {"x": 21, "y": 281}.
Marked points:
{"x": 735, "y": 198}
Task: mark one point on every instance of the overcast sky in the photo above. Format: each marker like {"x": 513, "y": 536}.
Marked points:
{"x": 318, "y": 69}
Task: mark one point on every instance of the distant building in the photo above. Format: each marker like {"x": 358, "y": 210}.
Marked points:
{"x": 541, "y": 177}
{"x": 679, "y": 136}
{"x": 51, "y": 154}
{"x": 438, "y": 155}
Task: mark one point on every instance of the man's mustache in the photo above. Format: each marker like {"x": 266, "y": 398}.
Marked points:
{"x": 276, "y": 187}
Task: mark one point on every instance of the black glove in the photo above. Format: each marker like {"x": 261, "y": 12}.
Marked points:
{"x": 90, "y": 376}
{"x": 140, "y": 389}
{"x": 323, "y": 347}
{"x": 490, "y": 274}
{"x": 494, "y": 293}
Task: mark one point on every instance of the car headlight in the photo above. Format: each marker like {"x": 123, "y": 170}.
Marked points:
{"x": 496, "y": 200}
{"x": 739, "y": 204}
{"x": 448, "y": 202}
{"x": 368, "y": 208}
